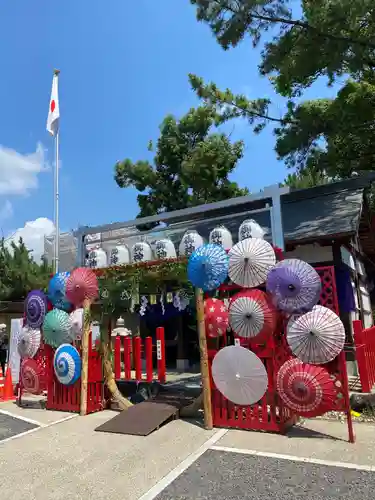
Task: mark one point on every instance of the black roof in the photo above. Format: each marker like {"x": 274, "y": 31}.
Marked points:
{"x": 308, "y": 214}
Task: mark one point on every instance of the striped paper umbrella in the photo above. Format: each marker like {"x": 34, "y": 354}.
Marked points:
{"x": 239, "y": 375}
{"x": 28, "y": 341}
{"x": 250, "y": 261}
{"x": 81, "y": 285}
{"x": 295, "y": 286}
{"x": 216, "y": 317}
{"x": 31, "y": 373}
{"x": 35, "y": 308}
{"x": 317, "y": 336}
{"x": 252, "y": 315}
{"x": 306, "y": 389}
{"x": 67, "y": 364}
{"x": 57, "y": 328}
{"x": 208, "y": 267}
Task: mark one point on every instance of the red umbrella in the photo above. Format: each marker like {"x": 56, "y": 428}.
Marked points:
{"x": 81, "y": 285}
{"x": 216, "y": 317}
{"x": 306, "y": 389}
{"x": 252, "y": 315}
{"x": 31, "y": 373}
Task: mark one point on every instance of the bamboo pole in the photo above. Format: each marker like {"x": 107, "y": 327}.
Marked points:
{"x": 85, "y": 355}
{"x": 205, "y": 373}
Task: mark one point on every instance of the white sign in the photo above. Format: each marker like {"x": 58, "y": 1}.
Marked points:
{"x": 14, "y": 358}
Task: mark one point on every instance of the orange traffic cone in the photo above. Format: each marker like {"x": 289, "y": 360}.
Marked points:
{"x": 1, "y": 387}
{"x": 8, "y": 393}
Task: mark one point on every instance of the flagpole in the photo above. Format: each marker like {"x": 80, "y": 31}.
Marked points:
{"x": 56, "y": 201}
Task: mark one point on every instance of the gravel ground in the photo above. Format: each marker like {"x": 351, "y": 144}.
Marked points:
{"x": 10, "y": 426}
{"x": 232, "y": 476}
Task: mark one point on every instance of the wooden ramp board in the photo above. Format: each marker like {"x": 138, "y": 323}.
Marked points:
{"x": 140, "y": 419}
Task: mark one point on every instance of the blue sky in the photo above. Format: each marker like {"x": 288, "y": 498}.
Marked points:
{"x": 124, "y": 66}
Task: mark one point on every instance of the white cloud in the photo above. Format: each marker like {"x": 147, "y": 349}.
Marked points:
{"x": 6, "y": 211}
{"x": 18, "y": 172}
{"x": 33, "y": 234}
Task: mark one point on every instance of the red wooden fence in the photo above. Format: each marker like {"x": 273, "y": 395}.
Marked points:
{"x": 141, "y": 355}
{"x": 364, "y": 340}
{"x": 67, "y": 398}
{"x": 270, "y": 414}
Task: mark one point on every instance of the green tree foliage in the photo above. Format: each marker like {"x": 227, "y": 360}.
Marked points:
{"x": 191, "y": 165}
{"x": 331, "y": 38}
{"x": 19, "y": 273}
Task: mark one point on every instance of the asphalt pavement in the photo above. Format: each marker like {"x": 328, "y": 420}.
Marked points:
{"x": 11, "y": 426}
{"x": 218, "y": 475}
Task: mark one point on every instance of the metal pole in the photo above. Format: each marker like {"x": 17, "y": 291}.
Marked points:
{"x": 57, "y": 230}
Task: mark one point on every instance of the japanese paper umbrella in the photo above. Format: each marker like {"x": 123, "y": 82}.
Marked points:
{"x": 317, "y": 336}
{"x": 239, "y": 375}
{"x": 76, "y": 318}
{"x": 306, "y": 389}
{"x": 35, "y": 308}
{"x": 28, "y": 341}
{"x": 295, "y": 286}
{"x": 81, "y": 285}
{"x": 31, "y": 373}
{"x": 67, "y": 364}
{"x": 57, "y": 289}
{"x": 252, "y": 315}
{"x": 216, "y": 317}
{"x": 57, "y": 328}
{"x": 250, "y": 261}
{"x": 208, "y": 267}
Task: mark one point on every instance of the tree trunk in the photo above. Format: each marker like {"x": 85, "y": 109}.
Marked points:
{"x": 110, "y": 380}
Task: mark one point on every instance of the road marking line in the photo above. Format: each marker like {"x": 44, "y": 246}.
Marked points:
{"x": 25, "y": 419}
{"x": 292, "y": 458}
{"x": 45, "y": 426}
{"x": 177, "y": 471}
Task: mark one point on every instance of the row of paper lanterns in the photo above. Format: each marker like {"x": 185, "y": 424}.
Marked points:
{"x": 165, "y": 249}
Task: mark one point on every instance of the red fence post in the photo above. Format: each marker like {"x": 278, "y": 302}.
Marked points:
{"x": 127, "y": 357}
{"x": 117, "y": 356}
{"x": 148, "y": 356}
{"x": 160, "y": 354}
{"x": 360, "y": 350}
{"x": 137, "y": 358}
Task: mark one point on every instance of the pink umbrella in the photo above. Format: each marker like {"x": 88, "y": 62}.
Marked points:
{"x": 81, "y": 285}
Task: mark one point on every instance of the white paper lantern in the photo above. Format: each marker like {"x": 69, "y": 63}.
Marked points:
{"x": 97, "y": 258}
{"x": 119, "y": 256}
{"x": 190, "y": 242}
{"x": 141, "y": 252}
{"x": 250, "y": 229}
{"x": 221, "y": 236}
{"x": 164, "y": 249}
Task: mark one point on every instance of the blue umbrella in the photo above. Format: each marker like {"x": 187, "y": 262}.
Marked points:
{"x": 67, "y": 364}
{"x": 56, "y": 291}
{"x": 208, "y": 267}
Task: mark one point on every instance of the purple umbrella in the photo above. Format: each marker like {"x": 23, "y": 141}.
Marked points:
{"x": 294, "y": 285}
{"x": 35, "y": 308}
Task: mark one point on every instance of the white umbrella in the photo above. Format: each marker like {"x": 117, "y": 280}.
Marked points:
{"x": 28, "y": 342}
{"x": 251, "y": 314}
{"x": 76, "y": 318}
{"x": 239, "y": 375}
{"x": 250, "y": 261}
{"x": 316, "y": 337}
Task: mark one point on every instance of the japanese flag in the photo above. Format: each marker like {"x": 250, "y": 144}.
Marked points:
{"x": 54, "y": 111}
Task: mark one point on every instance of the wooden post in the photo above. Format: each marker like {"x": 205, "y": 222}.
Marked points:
{"x": 85, "y": 355}
{"x": 206, "y": 387}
